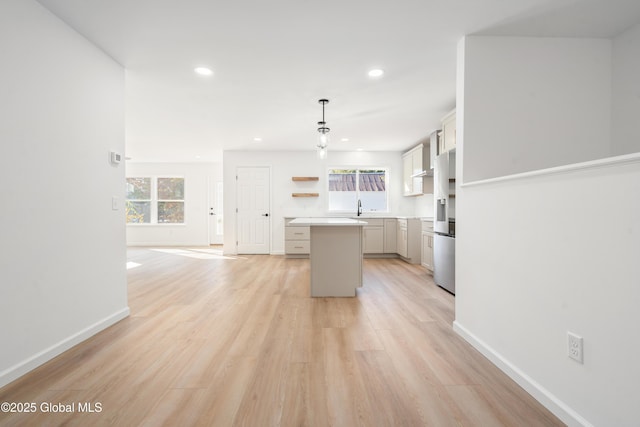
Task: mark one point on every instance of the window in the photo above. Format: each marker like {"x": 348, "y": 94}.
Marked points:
{"x": 347, "y": 186}
{"x": 170, "y": 200}
{"x": 155, "y": 200}
{"x": 138, "y": 200}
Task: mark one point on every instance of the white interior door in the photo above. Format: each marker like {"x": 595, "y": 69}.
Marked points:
{"x": 252, "y": 217}
{"x": 216, "y": 225}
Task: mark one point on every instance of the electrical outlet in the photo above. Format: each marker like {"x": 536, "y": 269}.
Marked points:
{"x": 575, "y": 349}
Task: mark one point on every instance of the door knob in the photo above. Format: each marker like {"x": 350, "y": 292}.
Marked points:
{"x": 265, "y": 214}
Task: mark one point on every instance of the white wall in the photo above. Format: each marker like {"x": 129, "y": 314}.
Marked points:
{"x": 62, "y": 255}
{"x": 286, "y": 164}
{"x": 546, "y": 265}
{"x": 626, "y": 93}
{"x": 540, "y": 255}
{"x": 424, "y": 203}
{"x": 424, "y": 206}
{"x": 535, "y": 103}
{"x": 195, "y": 230}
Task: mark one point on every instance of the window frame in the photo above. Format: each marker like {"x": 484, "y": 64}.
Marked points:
{"x": 153, "y": 221}
{"x": 386, "y": 170}
{"x": 149, "y": 200}
{"x": 159, "y": 200}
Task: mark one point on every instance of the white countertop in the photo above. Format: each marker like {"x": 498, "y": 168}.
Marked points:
{"x": 327, "y": 222}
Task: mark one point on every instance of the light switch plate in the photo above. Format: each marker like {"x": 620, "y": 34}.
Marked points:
{"x": 115, "y": 203}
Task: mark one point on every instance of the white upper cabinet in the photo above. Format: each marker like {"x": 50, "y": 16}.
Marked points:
{"x": 416, "y": 164}
{"x": 433, "y": 148}
{"x": 448, "y": 140}
{"x": 407, "y": 170}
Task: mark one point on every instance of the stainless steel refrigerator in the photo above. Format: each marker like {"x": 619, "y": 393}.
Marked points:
{"x": 444, "y": 261}
{"x": 444, "y": 244}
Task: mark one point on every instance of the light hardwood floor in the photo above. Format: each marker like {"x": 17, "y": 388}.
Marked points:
{"x": 216, "y": 341}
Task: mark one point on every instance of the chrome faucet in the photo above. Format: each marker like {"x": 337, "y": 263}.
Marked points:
{"x": 359, "y": 207}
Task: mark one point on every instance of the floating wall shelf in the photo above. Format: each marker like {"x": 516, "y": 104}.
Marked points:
{"x": 304, "y": 194}
{"x": 304, "y": 178}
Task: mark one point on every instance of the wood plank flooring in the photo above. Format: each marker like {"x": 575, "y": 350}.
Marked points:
{"x": 237, "y": 341}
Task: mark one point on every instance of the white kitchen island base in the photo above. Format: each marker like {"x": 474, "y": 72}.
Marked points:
{"x": 336, "y": 255}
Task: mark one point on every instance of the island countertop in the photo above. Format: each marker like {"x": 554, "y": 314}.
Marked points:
{"x": 327, "y": 222}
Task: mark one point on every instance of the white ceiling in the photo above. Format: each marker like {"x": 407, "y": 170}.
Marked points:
{"x": 274, "y": 59}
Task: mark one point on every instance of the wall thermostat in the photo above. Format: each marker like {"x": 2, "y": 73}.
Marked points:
{"x": 116, "y": 158}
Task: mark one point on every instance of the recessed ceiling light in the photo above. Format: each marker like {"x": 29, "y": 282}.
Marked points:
{"x": 198, "y": 157}
{"x": 203, "y": 71}
{"x": 376, "y": 72}
{"x": 358, "y": 149}
{"x": 345, "y": 140}
{"x": 257, "y": 139}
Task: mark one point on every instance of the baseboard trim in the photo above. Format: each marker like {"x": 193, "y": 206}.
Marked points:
{"x": 167, "y": 244}
{"x": 13, "y": 373}
{"x": 381, "y": 256}
{"x": 541, "y": 394}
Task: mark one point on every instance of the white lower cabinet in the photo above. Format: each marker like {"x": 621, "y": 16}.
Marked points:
{"x": 408, "y": 239}
{"x": 296, "y": 240}
{"x": 401, "y": 237}
{"x": 380, "y": 237}
{"x": 373, "y": 236}
{"x": 297, "y": 247}
{"x": 390, "y": 245}
{"x": 427, "y": 251}
{"x": 427, "y": 245}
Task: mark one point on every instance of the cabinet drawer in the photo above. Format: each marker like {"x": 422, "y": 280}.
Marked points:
{"x": 402, "y": 223}
{"x": 296, "y": 246}
{"x": 427, "y": 226}
{"x": 296, "y": 233}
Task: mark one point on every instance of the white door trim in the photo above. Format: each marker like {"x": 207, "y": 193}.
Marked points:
{"x": 215, "y": 207}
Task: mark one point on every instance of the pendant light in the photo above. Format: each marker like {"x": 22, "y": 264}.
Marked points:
{"x": 323, "y": 133}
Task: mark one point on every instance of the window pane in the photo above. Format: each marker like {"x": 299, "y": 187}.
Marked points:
{"x": 138, "y": 212}
{"x": 139, "y": 188}
{"x": 372, "y": 180}
{"x": 372, "y": 187}
{"x": 342, "y": 190}
{"x": 342, "y": 180}
{"x": 343, "y": 201}
{"x": 170, "y": 212}
{"x": 170, "y": 188}
{"x": 371, "y": 190}
{"x": 373, "y": 201}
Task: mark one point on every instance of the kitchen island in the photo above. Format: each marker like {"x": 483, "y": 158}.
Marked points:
{"x": 336, "y": 255}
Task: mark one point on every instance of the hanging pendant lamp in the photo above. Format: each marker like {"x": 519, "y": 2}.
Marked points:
{"x": 323, "y": 133}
